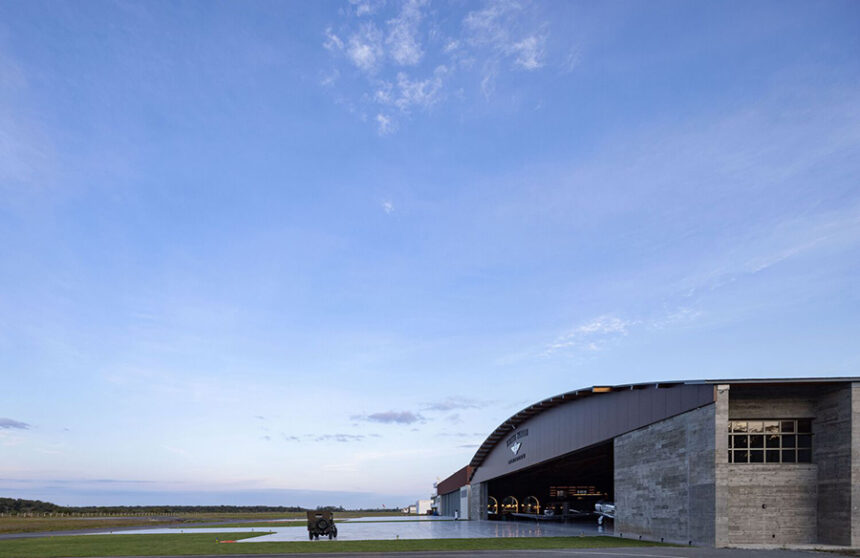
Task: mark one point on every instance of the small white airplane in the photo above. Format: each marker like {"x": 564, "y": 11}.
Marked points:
{"x": 604, "y": 510}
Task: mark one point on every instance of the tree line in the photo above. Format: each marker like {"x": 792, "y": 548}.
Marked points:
{"x": 17, "y": 506}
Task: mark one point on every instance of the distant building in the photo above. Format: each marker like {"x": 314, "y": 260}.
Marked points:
{"x": 423, "y": 507}
{"x": 712, "y": 462}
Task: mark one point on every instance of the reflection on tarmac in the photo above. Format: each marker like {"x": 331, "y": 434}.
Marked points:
{"x": 368, "y": 529}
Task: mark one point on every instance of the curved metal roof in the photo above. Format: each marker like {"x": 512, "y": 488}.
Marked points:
{"x": 535, "y": 409}
{"x": 532, "y": 410}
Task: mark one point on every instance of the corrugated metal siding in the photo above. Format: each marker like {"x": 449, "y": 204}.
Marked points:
{"x": 585, "y": 421}
{"x": 450, "y": 504}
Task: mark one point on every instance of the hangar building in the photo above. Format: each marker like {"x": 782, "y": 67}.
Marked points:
{"x": 452, "y": 494}
{"x": 710, "y": 462}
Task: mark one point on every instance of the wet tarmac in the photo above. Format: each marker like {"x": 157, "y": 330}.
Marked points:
{"x": 371, "y": 529}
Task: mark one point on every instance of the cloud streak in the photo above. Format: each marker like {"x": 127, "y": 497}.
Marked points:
{"x": 342, "y": 438}
{"x": 391, "y": 417}
{"x": 8, "y": 423}
{"x": 591, "y": 335}
{"x": 455, "y": 403}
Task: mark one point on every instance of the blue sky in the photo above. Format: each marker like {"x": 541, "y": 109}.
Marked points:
{"x": 314, "y": 252}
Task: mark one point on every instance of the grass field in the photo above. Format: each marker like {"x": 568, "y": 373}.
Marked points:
{"x": 10, "y": 525}
{"x": 189, "y": 544}
{"x": 36, "y": 525}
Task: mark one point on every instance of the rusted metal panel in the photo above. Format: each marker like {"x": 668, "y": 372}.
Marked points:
{"x": 455, "y": 481}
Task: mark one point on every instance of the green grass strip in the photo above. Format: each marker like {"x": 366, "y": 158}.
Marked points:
{"x": 189, "y": 544}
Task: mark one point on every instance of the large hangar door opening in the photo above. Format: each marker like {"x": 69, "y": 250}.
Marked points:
{"x": 569, "y": 486}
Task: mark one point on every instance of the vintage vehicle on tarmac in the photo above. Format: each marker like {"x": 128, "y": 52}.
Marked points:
{"x": 321, "y": 523}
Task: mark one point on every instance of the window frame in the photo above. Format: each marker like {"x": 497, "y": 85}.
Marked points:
{"x": 770, "y": 441}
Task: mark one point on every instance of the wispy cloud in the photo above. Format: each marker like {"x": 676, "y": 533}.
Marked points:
{"x": 332, "y": 42}
{"x": 9, "y": 423}
{"x": 365, "y": 7}
{"x": 403, "y": 42}
{"x": 591, "y": 335}
{"x": 391, "y": 417}
{"x": 790, "y": 239}
{"x": 388, "y": 207}
{"x": 498, "y": 27}
{"x": 456, "y": 403}
{"x": 406, "y": 61}
{"x": 529, "y": 53}
{"x": 385, "y": 125}
{"x": 364, "y": 48}
{"x": 421, "y": 93}
{"x": 342, "y": 438}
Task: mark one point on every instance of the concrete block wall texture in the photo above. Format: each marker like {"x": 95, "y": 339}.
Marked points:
{"x": 664, "y": 479}
{"x": 772, "y": 504}
{"x": 832, "y": 452}
{"x": 721, "y": 470}
{"x": 478, "y": 500}
{"x": 855, "y": 464}
{"x": 763, "y": 402}
{"x": 830, "y": 501}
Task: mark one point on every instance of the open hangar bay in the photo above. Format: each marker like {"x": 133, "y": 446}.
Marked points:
{"x": 705, "y": 462}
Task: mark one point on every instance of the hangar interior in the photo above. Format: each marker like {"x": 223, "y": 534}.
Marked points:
{"x": 569, "y": 485}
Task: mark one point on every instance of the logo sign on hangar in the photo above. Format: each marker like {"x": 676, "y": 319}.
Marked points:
{"x": 515, "y": 444}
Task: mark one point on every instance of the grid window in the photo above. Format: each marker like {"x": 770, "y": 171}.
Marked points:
{"x": 770, "y": 441}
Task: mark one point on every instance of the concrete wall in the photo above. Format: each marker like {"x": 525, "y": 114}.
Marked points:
{"x": 664, "y": 479}
{"x": 478, "y": 500}
{"x": 855, "y": 464}
{"x": 772, "y": 504}
{"x": 832, "y": 452}
{"x": 721, "y": 472}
